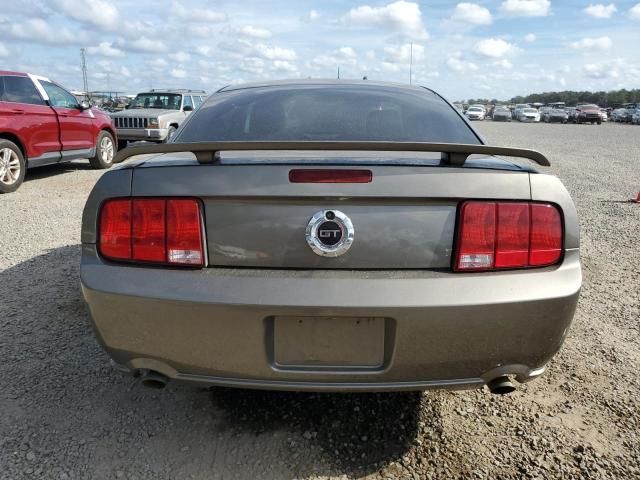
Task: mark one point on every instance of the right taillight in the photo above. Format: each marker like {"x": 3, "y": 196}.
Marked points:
{"x": 507, "y": 235}
{"x": 166, "y": 231}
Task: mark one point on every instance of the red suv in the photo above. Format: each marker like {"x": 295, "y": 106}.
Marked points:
{"x": 41, "y": 123}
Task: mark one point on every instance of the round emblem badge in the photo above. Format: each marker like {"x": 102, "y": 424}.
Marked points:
{"x": 330, "y": 233}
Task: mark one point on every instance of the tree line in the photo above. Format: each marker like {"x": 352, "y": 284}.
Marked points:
{"x": 613, "y": 98}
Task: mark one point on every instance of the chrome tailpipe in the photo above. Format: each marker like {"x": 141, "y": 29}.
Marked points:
{"x": 155, "y": 380}
{"x": 500, "y": 385}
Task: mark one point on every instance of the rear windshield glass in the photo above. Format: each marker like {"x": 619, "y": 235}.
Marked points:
{"x": 327, "y": 113}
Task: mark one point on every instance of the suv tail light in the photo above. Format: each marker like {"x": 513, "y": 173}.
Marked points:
{"x": 507, "y": 235}
{"x": 152, "y": 230}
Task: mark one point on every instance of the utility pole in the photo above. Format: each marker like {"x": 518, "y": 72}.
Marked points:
{"x": 85, "y": 83}
{"x": 338, "y": 72}
{"x": 411, "y": 64}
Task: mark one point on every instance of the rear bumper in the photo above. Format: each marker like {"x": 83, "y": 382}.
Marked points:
{"x": 135, "y": 134}
{"x": 444, "y": 330}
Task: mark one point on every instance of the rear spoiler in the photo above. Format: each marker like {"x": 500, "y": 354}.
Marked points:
{"x": 454, "y": 154}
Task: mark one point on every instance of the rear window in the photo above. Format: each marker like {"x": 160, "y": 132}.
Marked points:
{"x": 327, "y": 113}
{"x": 19, "y": 90}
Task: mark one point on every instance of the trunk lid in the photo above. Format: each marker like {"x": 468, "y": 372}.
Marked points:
{"x": 404, "y": 219}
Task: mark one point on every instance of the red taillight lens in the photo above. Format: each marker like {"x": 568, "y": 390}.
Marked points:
{"x": 546, "y": 235}
{"x": 184, "y": 233}
{"x": 330, "y": 176}
{"x": 115, "y": 229}
{"x": 499, "y": 235}
{"x": 149, "y": 230}
{"x": 162, "y": 231}
{"x": 512, "y": 239}
{"x": 477, "y": 236}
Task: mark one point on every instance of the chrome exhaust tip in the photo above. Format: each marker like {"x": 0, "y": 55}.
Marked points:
{"x": 500, "y": 385}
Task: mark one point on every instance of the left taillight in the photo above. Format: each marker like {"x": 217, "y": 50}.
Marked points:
{"x": 164, "y": 231}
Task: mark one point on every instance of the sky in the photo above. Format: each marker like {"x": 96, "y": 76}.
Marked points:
{"x": 486, "y": 48}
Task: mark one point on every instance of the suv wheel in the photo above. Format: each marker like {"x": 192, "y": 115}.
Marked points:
{"x": 105, "y": 151}
{"x": 12, "y": 166}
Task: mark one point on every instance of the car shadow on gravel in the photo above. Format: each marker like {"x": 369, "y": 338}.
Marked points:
{"x": 56, "y": 169}
{"x": 356, "y": 433}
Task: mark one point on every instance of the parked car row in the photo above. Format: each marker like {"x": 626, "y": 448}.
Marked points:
{"x": 42, "y": 123}
{"x": 626, "y": 115}
{"x": 554, "y": 113}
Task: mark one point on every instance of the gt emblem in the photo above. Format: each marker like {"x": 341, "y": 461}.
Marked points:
{"x": 330, "y": 233}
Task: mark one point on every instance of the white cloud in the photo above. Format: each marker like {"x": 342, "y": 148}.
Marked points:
{"x": 158, "y": 63}
{"x": 284, "y": 66}
{"x": 4, "y": 52}
{"x": 178, "y": 73}
{"x": 600, "y": 71}
{"x": 204, "y": 50}
{"x": 274, "y": 53}
{"x": 600, "y": 10}
{"x": 105, "y": 49}
{"x": 38, "y": 30}
{"x": 341, "y": 56}
{"x": 255, "y": 32}
{"x": 143, "y": 44}
{"x": 180, "y": 56}
{"x": 526, "y": 8}
{"x": 458, "y": 64}
{"x": 347, "y": 52}
{"x": 99, "y": 13}
{"x": 530, "y": 37}
{"x": 201, "y": 31}
{"x": 494, "y": 47}
{"x": 504, "y": 63}
{"x": 634, "y": 12}
{"x": 472, "y": 13}
{"x": 597, "y": 43}
{"x": 202, "y": 15}
{"x": 402, "y": 53}
{"x": 313, "y": 15}
{"x": 124, "y": 71}
{"x": 400, "y": 16}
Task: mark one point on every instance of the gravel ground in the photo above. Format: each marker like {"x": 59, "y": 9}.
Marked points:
{"x": 65, "y": 414}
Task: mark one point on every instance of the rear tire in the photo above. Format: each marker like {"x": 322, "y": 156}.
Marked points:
{"x": 105, "y": 151}
{"x": 12, "y": 166}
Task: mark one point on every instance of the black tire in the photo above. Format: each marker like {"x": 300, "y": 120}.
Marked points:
{"x": 599, "y": 122}
{"x": 105, "y": 151}
{"x": 170, "y": 133}
{"x": 12, "y": 166}
{"x": 122, "y": 144}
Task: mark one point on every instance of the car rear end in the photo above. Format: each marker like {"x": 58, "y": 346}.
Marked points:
{"x": 329, "y": 270}
{"x": 557, "y": 115}
{"x": 589, "y": 115}
{"x": 475, "y": 114}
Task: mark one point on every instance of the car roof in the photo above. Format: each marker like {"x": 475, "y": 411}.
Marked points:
{"x": 14, "y": 74}
{"x": 322, "y": 82}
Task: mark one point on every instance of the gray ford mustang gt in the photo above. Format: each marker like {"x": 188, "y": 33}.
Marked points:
{"x": 330, "y": 236}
